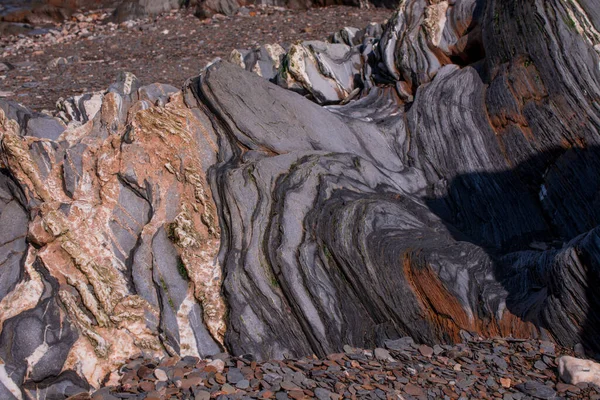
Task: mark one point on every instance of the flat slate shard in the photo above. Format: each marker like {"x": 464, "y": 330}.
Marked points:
{"x": 434, "y": 178}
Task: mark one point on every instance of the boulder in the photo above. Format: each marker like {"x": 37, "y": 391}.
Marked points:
{"x": 574, "y": 371}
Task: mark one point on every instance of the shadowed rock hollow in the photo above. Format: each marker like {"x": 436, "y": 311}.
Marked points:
{"x": 434, "y": 175}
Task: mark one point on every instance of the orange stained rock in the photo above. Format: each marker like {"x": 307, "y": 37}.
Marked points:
{"x": 448, "y": 315}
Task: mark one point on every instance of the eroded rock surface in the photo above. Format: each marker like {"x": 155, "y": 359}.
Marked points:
{"x": 435, "y": 175}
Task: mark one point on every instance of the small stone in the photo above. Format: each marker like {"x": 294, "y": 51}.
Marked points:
{"x": 227, "y": 389}
{"x": 336, "y": 356}
{"x": 146, "y": 386}
{"x": 565, "y": 387}
{"x": 178, "y": 373}
{"x": 220, "y": 378}
{"x": 537, "y": 390}
{"x": 296, "y": 394}
{"x": 202, "y": 395}
{"x": 190, "y": 360}
{"x": 191, "y": 382}
{"x": 349, "y": 349}
{"x": 55, "y": 62}
{"x": 579, "y": 350}
{"x": 562, "y": 387}
{"x": 466, "y": 336}
{"x": 399, "y": 344}
{"x": 219, "y": 365}
{"x": 500, "y": 362}
{"x": 243, "y": 384}
{"x": 491, "y": 383}
{"x": 30, "y": 85}
{"x": 540, "y": 365}
{"x": 505, "y": 382}
{"x": 413, "y": 390}
{"x": 161, "y": 375}
{"x": 425, "y": 350}
{"x": 234, "y": 375}
{"x": 547, "y": 348}
{"x": 144, "y": 372}
{"x": 383, "y": 355}
{"x": 287, "y": 385}
{"x": 322, "y": 394}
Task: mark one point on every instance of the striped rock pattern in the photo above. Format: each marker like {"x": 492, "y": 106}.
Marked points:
{"x": 435, "y": 175}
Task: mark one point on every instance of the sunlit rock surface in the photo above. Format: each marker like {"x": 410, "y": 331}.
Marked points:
{"x": 436, "y": 174}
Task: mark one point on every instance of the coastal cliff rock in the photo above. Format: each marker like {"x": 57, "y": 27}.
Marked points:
{"x": 435, "y": 175}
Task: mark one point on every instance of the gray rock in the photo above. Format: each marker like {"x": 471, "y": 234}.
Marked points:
{"x": 400, "y": 344}
{"x": 234, "y": 375}
{"x": 499, "y": 361}
{"x": 202, "y": 395}
{"x": 540, "y": 365}
{"x": 322, "y": 394}
{"x": 579, "y": 350}
{"x": 156, "y": 92}
{"x": 281, "y": 396}
{"x": 44, "y": 127}
{"x": 243, "y": 384}
{"x": 537, "y": 390}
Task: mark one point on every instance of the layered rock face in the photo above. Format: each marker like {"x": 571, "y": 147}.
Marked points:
{"x": 434, "y": 175}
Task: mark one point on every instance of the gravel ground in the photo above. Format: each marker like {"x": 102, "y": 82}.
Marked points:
{"x": 167, "y": 49}
{"x": 507, "y": 369}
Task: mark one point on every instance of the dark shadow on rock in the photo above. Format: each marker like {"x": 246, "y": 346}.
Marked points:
{"x": 539, "y": 223}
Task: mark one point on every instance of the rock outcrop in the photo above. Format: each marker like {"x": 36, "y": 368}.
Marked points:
{"x": 435, "y": 176}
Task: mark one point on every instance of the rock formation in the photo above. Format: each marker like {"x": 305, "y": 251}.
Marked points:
{"x": 435, "y": 175}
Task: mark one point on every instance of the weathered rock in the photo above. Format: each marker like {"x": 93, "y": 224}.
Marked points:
{"x": 448, "y": 190}
{"x": 573, "y": 370}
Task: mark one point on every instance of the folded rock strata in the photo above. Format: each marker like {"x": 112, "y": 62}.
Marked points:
{"x": 449, "y": 183}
